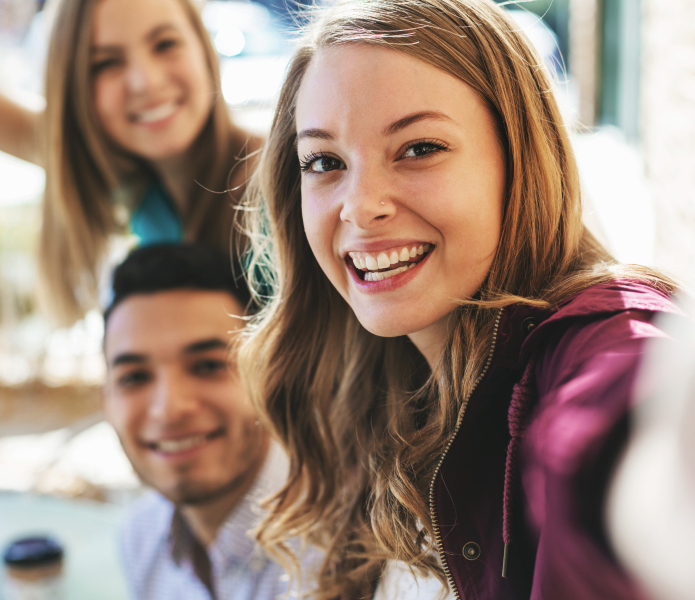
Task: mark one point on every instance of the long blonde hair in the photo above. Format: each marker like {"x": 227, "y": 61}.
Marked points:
{"x": 362, "y": 418}
{"x": 85, "y": 171}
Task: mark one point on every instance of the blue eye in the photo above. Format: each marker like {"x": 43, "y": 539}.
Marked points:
{"x": 320, "y": 163}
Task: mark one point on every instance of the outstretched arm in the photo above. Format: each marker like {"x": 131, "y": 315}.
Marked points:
{"x": 20, "y": 131}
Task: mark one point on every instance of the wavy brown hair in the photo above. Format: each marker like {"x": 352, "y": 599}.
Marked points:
{"x": 87, "y": 176}
{"x": 363, "y": 418}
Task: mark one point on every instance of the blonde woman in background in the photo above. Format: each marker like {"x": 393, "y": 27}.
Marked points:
{"x": 136, "y": 134}
{"x": 463, "y": 349}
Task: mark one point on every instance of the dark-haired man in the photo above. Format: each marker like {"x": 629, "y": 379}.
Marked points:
{"x": 188, "y": 428}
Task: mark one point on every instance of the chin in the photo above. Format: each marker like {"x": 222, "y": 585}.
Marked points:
{"x": 388, "y": 327}
{"x": 165, "y": 152}
{"x": 191, "y": 492}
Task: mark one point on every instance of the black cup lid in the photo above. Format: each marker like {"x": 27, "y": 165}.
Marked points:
{"x": 33, "y": 552}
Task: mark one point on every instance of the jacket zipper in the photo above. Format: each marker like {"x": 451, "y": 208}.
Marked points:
{"x": 459, "y": 421}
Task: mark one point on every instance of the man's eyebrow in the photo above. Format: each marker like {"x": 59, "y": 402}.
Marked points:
{"x": 127, "y": 358}
{"x": 316, "y": 134}
{"x": 205, "y": 345}
{"x": 408, "y": 120}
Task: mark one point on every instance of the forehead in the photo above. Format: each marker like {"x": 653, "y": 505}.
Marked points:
{"x": 119, "y": 21}
{"x": 167, "y": 322}
{"x": 362, "y": 84}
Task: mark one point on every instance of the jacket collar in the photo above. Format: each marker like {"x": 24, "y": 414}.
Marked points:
{"x": 599, "y": 300}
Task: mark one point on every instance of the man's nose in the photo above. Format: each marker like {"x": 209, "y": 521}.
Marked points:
{"x": 368, "y": 201}
{"x": 173, "y": 400}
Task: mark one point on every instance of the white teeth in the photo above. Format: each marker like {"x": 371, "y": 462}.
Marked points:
{"x": 375, "y": 266}
{"x": 359, "y": 262}
{"x": 395, "y": 272}
{"x": 380, "y": 276}
{"x": 370, "y": 263}
{"x": 156, "y": 114}
{"x": 171, "y": 446}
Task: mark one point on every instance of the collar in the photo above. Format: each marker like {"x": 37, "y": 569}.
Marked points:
{"x": 234, "y": 543}
{"x": 524, "y": 327}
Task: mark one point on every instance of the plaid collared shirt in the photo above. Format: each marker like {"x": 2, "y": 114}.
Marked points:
{"x": 159, "y": 553}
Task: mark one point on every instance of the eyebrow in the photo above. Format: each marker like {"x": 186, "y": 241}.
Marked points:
{"x": 315, "y": 134}
{"x": 425, "y": 115}
{"x": 133, "y": 358}
{"x": 395, "y": 127}
{"x": 128, "y": 358}
{"x": 160, "y": 29}
{"x": 205, "y": 345}
{"x": 149, "y": 37}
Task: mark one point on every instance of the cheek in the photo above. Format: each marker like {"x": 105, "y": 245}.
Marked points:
{"x": 318, "y": 226}
{"x": 198, "y": 83}
{"x": 470, "y": 211}
{"x": 193, "y": 69}
{"x": 121, "y": 417}
{"x": 108, "y": 105}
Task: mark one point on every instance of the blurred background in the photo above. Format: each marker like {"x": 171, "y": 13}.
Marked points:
{"x": 625, "y": 72}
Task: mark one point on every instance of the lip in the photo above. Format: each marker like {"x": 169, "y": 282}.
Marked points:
{"x": 379, "y": 245}
{"x": 386, "y": 285}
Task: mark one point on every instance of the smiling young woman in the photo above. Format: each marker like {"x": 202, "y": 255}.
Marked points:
{"x": 463, "y": 349}
{"x": 136, "y": 134}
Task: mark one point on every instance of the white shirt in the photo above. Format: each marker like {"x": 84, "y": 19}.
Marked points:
{"x": 399, "y": 583}
{"x": 158, "y": 549}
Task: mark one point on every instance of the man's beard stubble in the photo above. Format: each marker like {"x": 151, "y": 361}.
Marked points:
{"x": 189, "y": 492}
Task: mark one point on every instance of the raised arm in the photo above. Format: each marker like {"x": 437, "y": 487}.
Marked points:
{"x": 21, "y": 131}
{"x": 585, "y": 379}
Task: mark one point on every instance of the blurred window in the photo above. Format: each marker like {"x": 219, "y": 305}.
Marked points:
{"x": 620, "y": 66}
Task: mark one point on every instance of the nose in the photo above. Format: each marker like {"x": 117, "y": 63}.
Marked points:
{"x": 143, "y": 74}
{"x": 173, "y": 400}
{"x": 368, "y": 202}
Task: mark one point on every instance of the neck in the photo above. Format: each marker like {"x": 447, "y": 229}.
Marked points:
{"x": 206, "y": 518}
{"x": 176, "y": 175}
{"x": 431, "y": 340}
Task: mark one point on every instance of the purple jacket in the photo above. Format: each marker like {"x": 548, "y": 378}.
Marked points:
{"x": 533, "y": 453}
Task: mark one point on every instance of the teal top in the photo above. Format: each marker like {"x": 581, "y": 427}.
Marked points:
{"x": 155, "y": 220}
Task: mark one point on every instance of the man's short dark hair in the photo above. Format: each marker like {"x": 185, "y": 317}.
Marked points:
{"x": 166, "y": 267}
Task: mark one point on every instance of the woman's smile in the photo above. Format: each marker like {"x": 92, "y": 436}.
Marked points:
{"x": 152, "y": 84}
{"x": 384, "y": 270}
{"x": 403, "y": 179}
{"x": 155, "y": 114}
